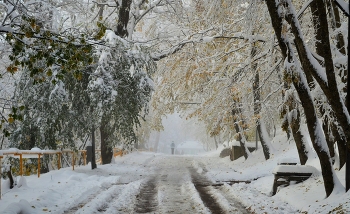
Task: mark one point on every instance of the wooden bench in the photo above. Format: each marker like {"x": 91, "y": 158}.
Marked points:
{"x": 284, "y": 174}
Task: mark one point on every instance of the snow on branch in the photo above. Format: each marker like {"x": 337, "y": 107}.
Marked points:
{"x": 343, "y": 6}
{"x": 255, "y": 38}
{"x": 148, "y": 9}
{"x": 304, "y": 7}
{"x": 204, "y": 39}
{"x": 173, "y": 50}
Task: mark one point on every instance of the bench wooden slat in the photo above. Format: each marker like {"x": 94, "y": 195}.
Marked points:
{"x": 293, "y": 174}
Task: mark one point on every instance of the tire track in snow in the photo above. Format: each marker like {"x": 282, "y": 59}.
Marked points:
{"x": 177, "y": 194}
{"x": 84, "y": 199}
{"x": 101, "y": 202}
{"x": 201, "y": 184}
{"x": 178, "y": 185}
{"x": 227, "y": 201}
{"x": 146, "y": 200}
{"x": 126, "y": 201}
{"x": 216, "y": 201}
{"x": 102, "y": 199}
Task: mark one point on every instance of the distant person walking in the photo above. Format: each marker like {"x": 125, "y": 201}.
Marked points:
{"x": 172, "y": 147}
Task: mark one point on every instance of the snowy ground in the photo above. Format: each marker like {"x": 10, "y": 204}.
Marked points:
{"x": 144, "y": 182}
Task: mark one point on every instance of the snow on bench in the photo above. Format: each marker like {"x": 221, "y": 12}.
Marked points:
{"x": 284, "y": 174}
{"x": 287, "y": 161}
{"x": 298, "y": 169}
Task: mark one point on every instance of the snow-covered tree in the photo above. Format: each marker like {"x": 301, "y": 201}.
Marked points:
{"x": 305, "y": 66}
{"x": 120, "y": 88}
{"x": 72, "y": 78}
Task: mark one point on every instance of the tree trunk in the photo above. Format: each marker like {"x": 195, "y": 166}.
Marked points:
{"x": 265, "y": 144}
{"x": 318, "y": 141}
{"x": 336, "y": 23}
{"x": 317, "y": 29}
{"x": 341, "y": 144}
{"x": 329, "y": 138}
{"x": 106, "y": 149}
{"x": 216, "y": 143}
{"x": 320, "y": 51}
{"x": 236, "y": 113}
{"x": 329, "y": 86}
{"x": 300, "y": 84}
{"x": 30, "y": 139}
{"x": 93, "y": 155}
{"x": 122, "y": 25}
{"x": 156, "y": 142}
{"x": 299, "y": 139}
{"x": 291, "y": 110}
{"x": 9, "y": 175}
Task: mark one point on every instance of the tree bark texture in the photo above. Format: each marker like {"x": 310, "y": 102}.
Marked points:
{"x": 330, "y": 87}
{"x": 93, "y": 155}
{"x": 333, "y": 11}
{"x": 123, "y": 20}
{"x": 292, "y": 112}
{"x": 314, "y": 130}
{"x": 156, "y": 143}
{"x": 216, "y": 143}
{"x": 239, "y": 130}
{"x": 341, "y": 144}
{"x": 340, "y": 42}
{"x": 329, "y": 138}
{"x": 298, "y": 137}
{"x": 302, "y": 88}
{"x": 257, "y": 106}
{"x": 264, "y": 143}
{"x": 9, "y": 175}
{"x": 320, "y": 50}
{"x": 106, "y": 149}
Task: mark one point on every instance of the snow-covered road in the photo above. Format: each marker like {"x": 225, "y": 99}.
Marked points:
{"x": 145, "y": 182}
{"x": 170, "y": 184}
{"x": 137, "y": 183}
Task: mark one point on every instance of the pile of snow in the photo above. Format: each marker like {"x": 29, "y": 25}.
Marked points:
{"x": 306, "y": 197}
{"x": 294, "y": 169}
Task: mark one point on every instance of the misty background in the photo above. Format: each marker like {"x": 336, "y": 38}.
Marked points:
{"x": 180, "y": 131}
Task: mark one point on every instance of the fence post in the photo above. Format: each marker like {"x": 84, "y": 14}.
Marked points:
{"x": 84, "y": 157}
{"x": 59, "y": 160}
{"x": 21, "y": 164}
{"x": 39, "y": 166}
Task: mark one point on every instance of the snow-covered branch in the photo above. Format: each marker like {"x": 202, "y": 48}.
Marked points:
{"x": 343, "y": 6}
{"x": 173, "y": 50}
{"x": 255, "y": 38}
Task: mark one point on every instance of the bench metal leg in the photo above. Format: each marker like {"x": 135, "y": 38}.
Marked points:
{"x": 274, "y": 188}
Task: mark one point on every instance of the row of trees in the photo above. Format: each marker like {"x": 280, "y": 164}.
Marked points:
{"x": 251, "y": 59}
{"x": 231, "y": 63}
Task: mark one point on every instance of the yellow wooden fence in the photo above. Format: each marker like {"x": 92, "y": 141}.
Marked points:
{"x": 37, "y": 153}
